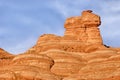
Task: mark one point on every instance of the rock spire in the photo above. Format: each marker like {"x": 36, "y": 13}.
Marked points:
{"x": 84, "y": 28}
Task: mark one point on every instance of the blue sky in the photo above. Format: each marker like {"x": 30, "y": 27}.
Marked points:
{"x": 23, "y": 21}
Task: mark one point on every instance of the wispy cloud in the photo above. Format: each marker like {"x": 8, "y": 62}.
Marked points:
{"x": 22, "y": 46}
{"x": 110, "y": 29}
{"x": 68, "y": 7}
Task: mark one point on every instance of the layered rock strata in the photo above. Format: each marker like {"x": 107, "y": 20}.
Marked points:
{"x": 80, "y": 33}
{"x": 84, "y": 28}
{"x": 78, "y": 55}
{"x": 5, "y": 57}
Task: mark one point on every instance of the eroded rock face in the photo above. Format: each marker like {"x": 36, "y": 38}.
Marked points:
{"x": 80, "y": 32}
{"x": 84, "y": 28}
{"x": 78, "y": 55}
{"x": 5, "y": 57}
{"x": 4, "y": 54}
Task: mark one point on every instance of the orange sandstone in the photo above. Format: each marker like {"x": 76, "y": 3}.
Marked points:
{"x": 78, "y": 55}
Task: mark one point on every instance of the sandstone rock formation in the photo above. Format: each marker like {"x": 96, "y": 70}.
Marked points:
{"x": 81, "y": 32}
{"x": 4, "y": 53}
{"x": 84, "y": 28}
{"x": 78, "y": 55}
{"x": 5, "y": 57}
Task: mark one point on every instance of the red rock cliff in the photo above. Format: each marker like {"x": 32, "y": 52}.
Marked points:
{"x": 81, "y": 33}
{"x": 84, "y": 28}
{"x": 78, "y": 55}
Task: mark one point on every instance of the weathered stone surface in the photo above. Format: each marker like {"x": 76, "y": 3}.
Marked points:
{"x": 5, "y": 57}
{"x": 78, "y": 55}
{"x": 84, "y": 28}
{"x": 4, "y": 54}
{"x": 37, "y": 60}
{"x": 65, "y": 64}
{"x": 81, "y": 33}
{"x": 101, "y": 65}
{"x": 22, "y": 72}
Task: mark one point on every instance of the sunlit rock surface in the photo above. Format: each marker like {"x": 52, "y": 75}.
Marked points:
{"x": 78, "y": 55}
{"x": 5, "y": 57}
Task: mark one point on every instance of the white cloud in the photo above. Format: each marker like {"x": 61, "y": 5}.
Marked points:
{"x": 110, "y": 29}
{"x": 68, "y": 7}
{"x": 22, "y": 46}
